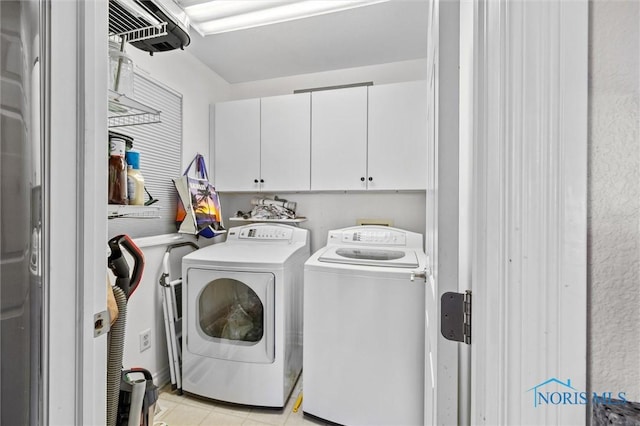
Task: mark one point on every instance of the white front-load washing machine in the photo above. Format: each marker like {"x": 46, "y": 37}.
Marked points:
{"x": 242, "y": 315}
{"x": 364, "y": 335}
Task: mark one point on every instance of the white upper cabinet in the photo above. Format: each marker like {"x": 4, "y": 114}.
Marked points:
{"x": 358, "y": 138}
{"x": 285, "y": 143}
{"x": 339, "y": 139}
{"x": 263, "y": 144}
{"x": 237, "y": 145}
{"x": 397, "y": 139}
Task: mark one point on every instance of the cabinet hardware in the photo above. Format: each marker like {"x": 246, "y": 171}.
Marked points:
{"x": 362, "y": 179}
{"x": 370, "y": 178}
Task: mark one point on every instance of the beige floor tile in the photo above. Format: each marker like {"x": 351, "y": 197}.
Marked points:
{"x": 199, "y": 402}
{"x": 163, "y": 406}
{"x": 185, "y": 415}
{"x": 250, "y": 422}
{"x": 216, "y": 418}
{"x": 272, "y": 417}
{"x": 233, "y": 410}
{"x": 172, "y": 396}
{"x": 184, "y": 410}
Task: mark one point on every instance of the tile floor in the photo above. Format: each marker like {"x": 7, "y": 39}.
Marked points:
{"x": 187, "y": 410}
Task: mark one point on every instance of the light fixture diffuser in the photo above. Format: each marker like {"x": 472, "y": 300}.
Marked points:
{"x": 220, "y": 16}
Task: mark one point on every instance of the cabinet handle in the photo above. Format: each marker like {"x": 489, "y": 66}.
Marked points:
{"x": 261, "y": 180}
{"x": 255, "y": 181}
{"x": 370, "y": 178}
{"x": 362, "y": 178}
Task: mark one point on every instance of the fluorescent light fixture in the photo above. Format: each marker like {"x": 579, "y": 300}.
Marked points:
{"x": 220, "y": 16}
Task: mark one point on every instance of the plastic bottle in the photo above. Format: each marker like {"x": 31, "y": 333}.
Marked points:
{"x": 117, "y": 172}
{"x": 120, "y": 70}
{"x": 135, "y": 181}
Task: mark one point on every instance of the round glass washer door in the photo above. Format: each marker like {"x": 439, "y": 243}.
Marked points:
{"x": 229, "y": 309}
{"x": 230, "y": 315}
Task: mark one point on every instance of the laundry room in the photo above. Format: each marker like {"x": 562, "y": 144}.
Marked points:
{"x": 256, "y": 65}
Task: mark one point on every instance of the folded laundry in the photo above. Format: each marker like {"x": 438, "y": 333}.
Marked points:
{"x": 272, "y": 212}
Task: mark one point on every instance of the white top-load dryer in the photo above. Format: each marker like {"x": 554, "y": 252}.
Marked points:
{"x": 242, "y": 315}
{"x": 364, "y": 336}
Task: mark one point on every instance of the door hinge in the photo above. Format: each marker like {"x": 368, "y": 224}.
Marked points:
{"x": 455, "y": 316}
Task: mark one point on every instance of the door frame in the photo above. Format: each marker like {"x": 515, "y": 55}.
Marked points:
{"x": 442, "y": 242}
{"x": 530, "y": 70}
{"x": 75, "y": 225}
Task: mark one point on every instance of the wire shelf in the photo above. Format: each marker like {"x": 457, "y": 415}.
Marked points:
{"x": 132, "y": 21}
{"x": 124, "y": 111}
{"x": 138, "y": 212}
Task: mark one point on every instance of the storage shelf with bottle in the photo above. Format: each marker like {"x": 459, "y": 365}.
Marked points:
{"x": 126, "y": 184}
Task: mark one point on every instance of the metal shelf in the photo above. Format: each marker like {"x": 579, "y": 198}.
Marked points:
{"x": 124, "y": 111}
{"x": 136, "y": 212}
{"x": 132, "y": 21}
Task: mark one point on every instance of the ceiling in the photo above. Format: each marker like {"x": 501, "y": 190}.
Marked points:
{"x": 376, "y": 34}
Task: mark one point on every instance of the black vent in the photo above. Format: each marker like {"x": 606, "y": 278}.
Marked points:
{"x": 176, "y": 37}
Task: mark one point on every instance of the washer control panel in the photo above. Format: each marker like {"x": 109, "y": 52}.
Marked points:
{"x": 265, "y": 233}
{"x": 374, "y": 236}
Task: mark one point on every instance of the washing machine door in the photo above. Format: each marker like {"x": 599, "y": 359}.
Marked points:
{"x": 230, "y": 315}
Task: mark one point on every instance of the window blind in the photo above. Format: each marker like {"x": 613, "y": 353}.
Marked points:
{"x": 160, "y": 147}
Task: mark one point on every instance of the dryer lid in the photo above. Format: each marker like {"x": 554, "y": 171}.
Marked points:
{"x": 393, "y": 258}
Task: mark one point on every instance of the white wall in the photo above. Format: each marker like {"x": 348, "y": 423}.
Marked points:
{"x": 614, "y": 197}
{"x": 199, "y": 86}
{"x": 379, "y": 74}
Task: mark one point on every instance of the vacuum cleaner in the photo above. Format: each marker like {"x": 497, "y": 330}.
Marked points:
{"x": 131, "y": 394}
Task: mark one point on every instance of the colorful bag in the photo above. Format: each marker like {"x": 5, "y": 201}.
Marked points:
{"x": 199, "y": 209}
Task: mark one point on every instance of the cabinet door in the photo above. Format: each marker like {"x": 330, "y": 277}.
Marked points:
{"x": 237, "y": 145}
{"x": 339, "y": 139}
{"x": 285, "y": 142}
{"x": 397, "y": 149}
